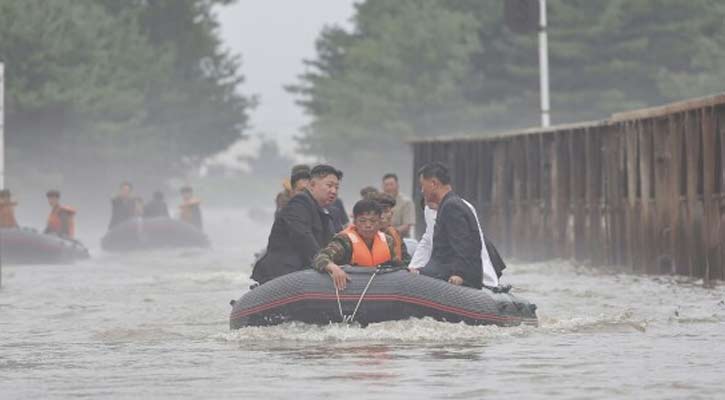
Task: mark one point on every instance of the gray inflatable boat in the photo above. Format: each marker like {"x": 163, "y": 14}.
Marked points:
{"x": 375, "y": 295}
{"x": 153, "y": 233}
{"x": 28, "y": 246}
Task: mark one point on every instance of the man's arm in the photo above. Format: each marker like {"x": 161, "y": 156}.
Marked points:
{"x": 425, "y": 245}
{"x": 338, "y": 251}
{"x": 462, "y": 241}
{"x": 299, "y": 226}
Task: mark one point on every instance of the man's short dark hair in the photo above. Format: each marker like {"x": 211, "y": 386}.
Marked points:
{"x": 186, "y": 189}
{"x": 5, "y": 193}
{"x": 435, "y": 170}
{"x": 383, "y": 199}
{"x": 323, "y": 170}
{"x": 158, "y": 195}
{"x": 390, "y": 175}
{"x": 299, "y": 172}
{"x": 366, "y": 206}
{"x": 53, "y": 193}
{"x": 368, "y": 191}
{"x": 126, "y": 183}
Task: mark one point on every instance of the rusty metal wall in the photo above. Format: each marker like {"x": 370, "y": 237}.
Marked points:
{"x": 644, "y": 189}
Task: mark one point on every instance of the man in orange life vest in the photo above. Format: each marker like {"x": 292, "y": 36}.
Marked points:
{"x": 386, "y": 203}
{"x": 7, "y": 210}
{"x": 61, "y": 219}
{"x": 361, "y": 244}
{"x": 190, "y": 208}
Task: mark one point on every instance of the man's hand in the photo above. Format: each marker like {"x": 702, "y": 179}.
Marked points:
{"x": 455, "y": 280}
{"x": 338, "y": 276}
{"x": 414, "y": 270}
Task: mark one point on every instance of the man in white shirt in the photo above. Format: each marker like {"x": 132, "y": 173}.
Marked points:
{"x": 425, "y": 246}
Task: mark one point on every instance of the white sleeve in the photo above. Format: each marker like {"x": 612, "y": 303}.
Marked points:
{"x": 425, "y": 245}
{"x": 490, "y": 278}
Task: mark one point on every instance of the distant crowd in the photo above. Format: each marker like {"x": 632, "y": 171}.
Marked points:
{"x": 124, "y": 206}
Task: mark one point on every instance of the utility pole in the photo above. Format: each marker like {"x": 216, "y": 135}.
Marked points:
{"x": 544, "y": 65}
{"x": 2, "y": 151}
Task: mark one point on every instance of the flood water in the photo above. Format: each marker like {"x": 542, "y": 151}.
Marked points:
{"x": 155, "y": 325}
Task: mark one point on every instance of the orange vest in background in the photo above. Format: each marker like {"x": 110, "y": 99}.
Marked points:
{"x": 397, "y": 242}
{"x": 362, "y": 256}
{"x": 7, "y": 215}
{"x": 186, "y": 210}
{"x": 55, "y": 223}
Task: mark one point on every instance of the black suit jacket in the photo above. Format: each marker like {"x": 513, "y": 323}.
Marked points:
{"x": 456, "y": 244}
{"x": 299, "y": 231}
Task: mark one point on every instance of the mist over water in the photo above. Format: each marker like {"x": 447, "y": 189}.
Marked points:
{"x": 155, "y": 325}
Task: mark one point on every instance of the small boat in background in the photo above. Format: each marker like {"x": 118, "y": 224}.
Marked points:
{"x": 153, "y": 233}
{"x": 28, "y": 246}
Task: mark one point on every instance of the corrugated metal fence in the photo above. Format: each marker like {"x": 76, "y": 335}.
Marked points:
{"x": 643, "y": 188}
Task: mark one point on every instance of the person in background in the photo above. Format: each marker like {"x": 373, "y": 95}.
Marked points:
{"x": 457, "y": 241}
{"x": 340, "y": 220}
{"x": 404, "y": 210}
{"x": 301, "y": 228}
{"x": 123, "y": 205}
{"x": 7, "y": 210}
{"x": 61, "y": 220}
{"x": 361, "y": 244}
{"x": 190, "y": 208}
{"x": 298, "y": 181}
{"x": 156, "y": 207}
{"x": 386, "y": 203}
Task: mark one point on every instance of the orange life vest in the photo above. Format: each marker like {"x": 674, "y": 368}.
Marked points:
{"x": 7, "y": 215}
{"x": 397, "y": 242}
{"x": 186, "y": 210}
{"x": 361, "y": 254}
{"x": 55, "y": 222}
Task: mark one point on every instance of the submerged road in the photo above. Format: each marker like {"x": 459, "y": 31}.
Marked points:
{"x": 155, "y": 325}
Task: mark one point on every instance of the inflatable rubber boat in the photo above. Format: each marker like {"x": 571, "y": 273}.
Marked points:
{"x": 153, "y": 233}
{"x": 375, "y": 295}
{"x": 28, "y": 246}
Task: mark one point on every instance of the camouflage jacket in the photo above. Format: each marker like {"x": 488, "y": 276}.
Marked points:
{"x": 339, "y": 251}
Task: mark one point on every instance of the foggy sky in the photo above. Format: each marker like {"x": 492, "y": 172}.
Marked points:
{"x": 273, "y": 37}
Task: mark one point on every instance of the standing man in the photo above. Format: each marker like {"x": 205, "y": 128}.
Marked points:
{"x": 301, "y": 228}
{"x": 298, "y": 180}
{"x": 457, "y": 244}
{"x": 190, "y": 208}
{"x": 404, "y": 210}
{"x": 61, "y": 220}
{"x": 156, "y": 207}
{"x": 123, "y": 205}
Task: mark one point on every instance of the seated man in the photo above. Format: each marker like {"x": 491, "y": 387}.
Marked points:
{"x": 493, "y": 264}
{"x": 457, "y": 245}
{"x": 361, "y": 244}
{"x": 301, "y": 228}
{"x": 190, "y": 208}
{"x": 156, "y": 207}
{"x": 7, "y": 210}
{"x": 123, "y": 205}
{"x": 61, "y": 220}
{"x": 386, "y": 203}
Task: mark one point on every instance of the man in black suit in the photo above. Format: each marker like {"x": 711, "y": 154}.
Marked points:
{"x": 301, "y": 228}
{"x": 456, "y": 253}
